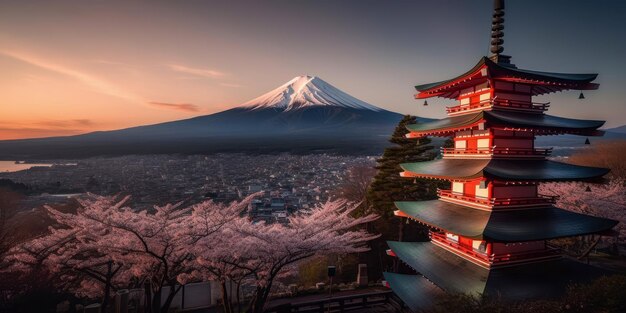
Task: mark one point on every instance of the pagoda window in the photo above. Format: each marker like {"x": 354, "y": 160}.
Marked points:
{"x": 482, "y": 192}
{"x": 479, "y": 246}
{"x": 483, "y": 143}
{"x": 465, "y": 101}
{"x": 460, "y": 144}
{"x": 485, "y": 97}
{"x": 457, "y": 187}
{"x": 452, "y": 237}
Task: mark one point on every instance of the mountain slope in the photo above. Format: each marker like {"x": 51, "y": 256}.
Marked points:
{"x": 618, "y": 130}
{"x": 302, "y": 116}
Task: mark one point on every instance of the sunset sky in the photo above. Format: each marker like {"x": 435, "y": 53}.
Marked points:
{"x": 70, "y": 67}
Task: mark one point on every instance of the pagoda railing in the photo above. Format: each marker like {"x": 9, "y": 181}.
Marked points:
{"x": 498, "y": 151}
{"x": 500, "y": 103}
{"x": 540, "y": 199}
{"x": 522, "y": 256}
{"x": 495, "y": 259}
{"x": 442, "y": 239}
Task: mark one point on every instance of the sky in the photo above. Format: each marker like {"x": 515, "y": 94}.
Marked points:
{"x": 69, "y": 67}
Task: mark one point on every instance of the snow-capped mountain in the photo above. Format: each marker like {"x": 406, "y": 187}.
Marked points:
{"x": 305, "y": 115}
{"x": 306, "y": 91}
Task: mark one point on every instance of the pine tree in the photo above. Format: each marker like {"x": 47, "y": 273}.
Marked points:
{"x": 388, "y": 187}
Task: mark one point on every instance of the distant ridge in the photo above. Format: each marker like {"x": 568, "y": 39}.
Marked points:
{"x": 304, "y": 115}
{"x": 618, "y": 130}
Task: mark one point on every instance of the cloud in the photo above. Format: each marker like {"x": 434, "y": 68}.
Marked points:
{"x": 49, "y": 124}
{"x": 95, "y": 83}
{"x": 43, "y": 128}
{"x": 66, "y": 123}
{"x": 188, "y": 107}
{"x": 206, "y": 73}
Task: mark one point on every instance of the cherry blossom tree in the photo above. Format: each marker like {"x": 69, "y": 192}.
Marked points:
{"x": 157, "y": 245}
{"x": 70, "y": 252}
{"x": 604, "y": 200}
{"x": 106, "y": 245}
{"x": 264, "y": 252}
{"x": 225, "y": 259}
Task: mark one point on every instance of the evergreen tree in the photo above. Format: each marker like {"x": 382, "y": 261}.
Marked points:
{"x": 388, "y": 187}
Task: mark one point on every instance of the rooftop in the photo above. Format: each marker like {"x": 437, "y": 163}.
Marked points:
{"x": 504, "y": 226}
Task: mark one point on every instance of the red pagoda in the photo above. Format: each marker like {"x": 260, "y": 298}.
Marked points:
{"x": 489, "y": 231}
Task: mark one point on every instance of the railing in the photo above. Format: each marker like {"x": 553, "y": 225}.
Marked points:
{"x": 496, "y": 259}
{"x": 336, "y": 304}
{"x": 442, "y": 239}
{"x": 540, "y": 199}
{"x": 522, "y": 256}
{"x": 497, "y": 151}
{"x": 501, "y": 103}
{"x": 449, "y": 194}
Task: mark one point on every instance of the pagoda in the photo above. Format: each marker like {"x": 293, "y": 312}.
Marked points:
{"x": 489, "y": 230}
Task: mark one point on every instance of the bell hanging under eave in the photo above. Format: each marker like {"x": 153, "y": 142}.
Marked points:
{"x": 587, "y": 142}
{"x": 581, "y": 96}
{"x": 425, "y": 102}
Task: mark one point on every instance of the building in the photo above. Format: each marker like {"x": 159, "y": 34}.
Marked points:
{"x": 489, "y": 231}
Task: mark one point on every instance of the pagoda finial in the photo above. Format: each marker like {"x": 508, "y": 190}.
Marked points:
{"x": 497, "y": 33}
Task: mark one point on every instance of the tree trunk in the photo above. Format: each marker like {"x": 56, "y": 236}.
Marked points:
{"x": 225, "y": 300}
{"x": 107, "y": 288}
{"x": 238, "y": 297}
{"x": 262, "y": 295}
{"x": 148, "y": 294}
{"x": 156, "y": 298}
{"x": 170, "y": 297}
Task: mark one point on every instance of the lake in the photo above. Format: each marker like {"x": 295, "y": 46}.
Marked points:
{"x": 11, "y": 166}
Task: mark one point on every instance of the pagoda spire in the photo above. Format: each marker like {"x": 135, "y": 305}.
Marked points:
{"x": 497, "y": 33}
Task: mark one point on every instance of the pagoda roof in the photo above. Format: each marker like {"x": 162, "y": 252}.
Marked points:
{"x": 543, "y": 82}
{"x": 452, "y": 273}
{"x": 540, "y": 123}
{"x": 509, "y": 170}
{"x": 504, "y": 226}
{"x": 416, "y": 292}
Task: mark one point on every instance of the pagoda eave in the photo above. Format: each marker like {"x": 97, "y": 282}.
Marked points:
{"x": 501, "y": 169}
{"x": 540, "y": 124}
{"x": 417, "y": 292}
{"x": 506, "y": 226}
{"x": 489, "y": 70}
{"x": 537, "y": 280}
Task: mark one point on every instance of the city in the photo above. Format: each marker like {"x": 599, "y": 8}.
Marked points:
{"x": 290, "y": 182}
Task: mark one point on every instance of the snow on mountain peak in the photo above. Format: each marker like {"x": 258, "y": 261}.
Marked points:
{"x": 306, "y": 91}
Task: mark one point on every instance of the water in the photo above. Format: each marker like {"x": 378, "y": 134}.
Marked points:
{"x": 12, "y": 166}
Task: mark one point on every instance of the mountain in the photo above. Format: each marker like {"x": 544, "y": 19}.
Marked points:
{"x": 305, "y": 115}
{"x": 306, "y": 91}
{"x": 617, "y": 130}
